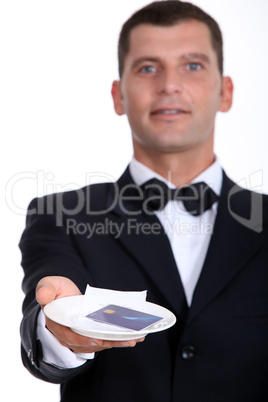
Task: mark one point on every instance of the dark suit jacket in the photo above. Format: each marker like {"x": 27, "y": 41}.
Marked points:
{"x": 218, "y": 349}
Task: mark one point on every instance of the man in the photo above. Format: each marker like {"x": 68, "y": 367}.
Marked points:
{"x": 208, "y": 266}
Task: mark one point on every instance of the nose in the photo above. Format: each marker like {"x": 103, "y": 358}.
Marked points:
{"x": 170, "y": 82}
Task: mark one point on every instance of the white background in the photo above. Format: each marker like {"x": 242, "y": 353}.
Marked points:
{"x": 58, "y": 128}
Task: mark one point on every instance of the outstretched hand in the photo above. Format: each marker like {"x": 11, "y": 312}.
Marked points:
{"x": 55, "y": 287}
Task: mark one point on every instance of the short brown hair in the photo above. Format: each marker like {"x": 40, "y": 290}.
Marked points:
{"x": 168, "y": 13}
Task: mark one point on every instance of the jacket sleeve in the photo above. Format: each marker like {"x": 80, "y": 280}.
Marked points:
{"x": 47, "y": 250}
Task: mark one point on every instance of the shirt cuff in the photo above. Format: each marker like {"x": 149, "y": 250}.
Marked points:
{"x": 56, "y": 354}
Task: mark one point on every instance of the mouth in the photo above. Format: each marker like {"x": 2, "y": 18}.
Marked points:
{"x": 169, "y": 112}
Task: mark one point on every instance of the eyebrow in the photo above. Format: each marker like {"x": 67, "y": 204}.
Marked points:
{"x": 196, "y": 56}
{"x": 185, "y": 57}
{"x": 141, "y": 60}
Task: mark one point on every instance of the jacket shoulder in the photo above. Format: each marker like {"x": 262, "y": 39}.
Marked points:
{"x": 93, "y": 197}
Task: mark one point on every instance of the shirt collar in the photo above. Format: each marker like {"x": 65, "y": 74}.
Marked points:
{"x": 212, "y": 176}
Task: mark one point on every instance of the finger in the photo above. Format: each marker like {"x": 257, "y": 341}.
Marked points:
{"x": 66, "y": 336}
{"x": 114, "y": 344}
{"x": 46, "y": 291}
{"x": 53, "y": 287}
{"x": 97, "y": 345}
{"x": 81, "y": 344}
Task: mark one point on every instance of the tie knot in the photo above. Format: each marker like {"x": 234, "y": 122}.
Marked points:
{"x": 196, "y": 197}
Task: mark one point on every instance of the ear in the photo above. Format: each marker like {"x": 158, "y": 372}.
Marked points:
{"x": 117, "y": 98}
{"x": 226, "y": 94}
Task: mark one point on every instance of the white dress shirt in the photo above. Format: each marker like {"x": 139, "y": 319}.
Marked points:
{"x": 189, "y": 238}
{"x": 189, "y": 235}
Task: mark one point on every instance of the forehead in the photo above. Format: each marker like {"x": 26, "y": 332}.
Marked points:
{"x": 185, "y": 36}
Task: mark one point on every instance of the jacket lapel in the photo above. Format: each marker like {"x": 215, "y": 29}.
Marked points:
{"x": 237, "y": 236}
{"x": 145, "y": 239}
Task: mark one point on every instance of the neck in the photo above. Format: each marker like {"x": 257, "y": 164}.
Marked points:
{"x": 178, "y": 168}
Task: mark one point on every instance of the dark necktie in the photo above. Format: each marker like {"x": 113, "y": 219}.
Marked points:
{"x": 197, "y": 197}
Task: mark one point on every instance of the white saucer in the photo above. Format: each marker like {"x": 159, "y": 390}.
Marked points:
{"x": 65, "y": 311}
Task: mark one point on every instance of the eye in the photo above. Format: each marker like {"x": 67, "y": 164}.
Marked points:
{"x": 194, "y": 66}
{"x": 148, "y": 69}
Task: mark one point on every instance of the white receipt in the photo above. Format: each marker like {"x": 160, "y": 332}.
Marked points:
{"x": 96, "y": 298}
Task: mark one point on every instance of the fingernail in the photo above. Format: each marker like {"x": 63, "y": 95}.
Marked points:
{"x": 125, "y": 344}
{"x": 95, "y": 343}
{"x": 129, "y": 343}
{"x": 141, "y": 339}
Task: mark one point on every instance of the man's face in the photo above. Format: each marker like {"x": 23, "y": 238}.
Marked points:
{"x": 171, "y": 88}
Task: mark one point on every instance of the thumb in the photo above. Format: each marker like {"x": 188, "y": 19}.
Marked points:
{"x": 54, "y": 287}
{"x": 46, "y": 291}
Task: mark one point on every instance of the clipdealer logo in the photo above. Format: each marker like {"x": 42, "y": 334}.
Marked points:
{"x": 44, "y": 183}
{"x": 133, "y": 227}
{"x": 255, "y": 220}
{"x": 40, "y": 183}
